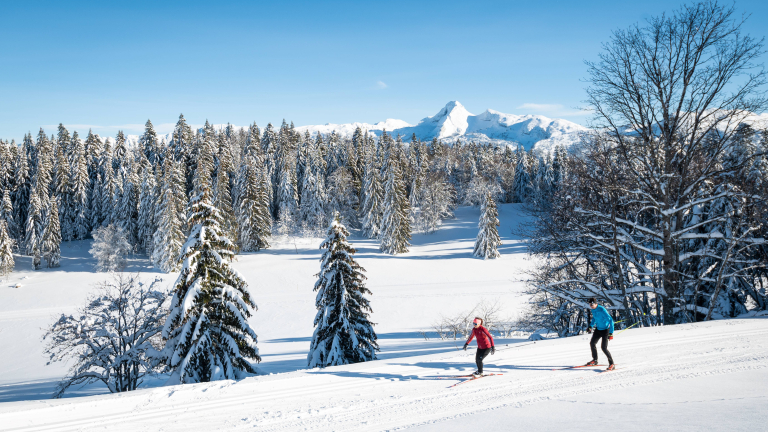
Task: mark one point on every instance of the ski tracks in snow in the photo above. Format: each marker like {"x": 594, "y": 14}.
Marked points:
{"x": 398, "y": 393}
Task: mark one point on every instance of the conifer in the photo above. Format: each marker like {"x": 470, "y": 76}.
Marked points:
{"x": 207, "y": 333}
{"x": 50, "y": 244}
{"x": 396, "y": 226}
{"x": 343, "y": 333}
{"x": 7, "y": 262}
{"x": 488, "y": 238}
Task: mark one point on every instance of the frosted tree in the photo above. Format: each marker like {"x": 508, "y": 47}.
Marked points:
{"x": 6, "y": 251}
{"x": 34, "y": 229}
{"x": 20, "y": 195}
{"x": 488, "y": 241}
{"x": 6, "y": 215}
{"x": 149, "y": 145}
{"x": 373, "y": 195}
{"x": 254, "y": 222}
{"x": 343, "y": 197}
{"x": 50, "y": 244}
{"x": 171, "y": 203}
{"x": 223, "y": 201}
{"x": 343, "y": 334}
{"x": 110, "y": 339}
{"x": 207, "y": 332}
{"x": 313, "y": 194}
{"x": 127, "y": 205}
{"x": 62, "y": 191}
{"x": 396, "y": 223}
{"x": 79, "y": 184}
{"x": 522, "y": 182}
{"x": 145, "y": 223}
{"x": 110, "y": 248}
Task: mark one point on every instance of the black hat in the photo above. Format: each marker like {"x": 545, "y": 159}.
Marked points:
{"x": 592, "y": 300}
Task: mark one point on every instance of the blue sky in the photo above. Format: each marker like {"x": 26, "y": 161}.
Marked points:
{"x": 112, "y": 65}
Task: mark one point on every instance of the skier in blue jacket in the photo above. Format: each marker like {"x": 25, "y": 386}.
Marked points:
{"x": 603, "y": 325}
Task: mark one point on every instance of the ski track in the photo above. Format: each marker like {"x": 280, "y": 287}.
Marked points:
{"x": 397, "y": 393}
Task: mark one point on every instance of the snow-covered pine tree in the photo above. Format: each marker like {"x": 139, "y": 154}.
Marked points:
{"x": 126, "y": 212}
{"x": 20, "y": 195}
{"x": 396, "y": 223}
{"x": 207, "y": 333}
{"x": 79, "y": 184}
{"x": 488, "y": 238}
{"x": 96, "y": 202}
{"x": 62, "y": 191}
{"x": 343, "y": 333}
{"x": 313, "y": 196}
{"x": 6, "y": 215}
{"x": 522, "y": 184}
{"x": 373, "y": 195}
{"x": 146, "y": 216}
{"x": 149, "y": 145}
{"x": 50, "y": 244}
{"x": 223, "y": 199}
{"x": 170, "y": 205}
{"x": 254, "y": 219}
{"x": 6, "y": 250}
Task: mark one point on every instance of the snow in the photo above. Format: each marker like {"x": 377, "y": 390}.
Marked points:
{"x": 709, "y": 375}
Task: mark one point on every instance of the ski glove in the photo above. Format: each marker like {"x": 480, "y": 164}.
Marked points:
{"x": 465, "y": 347}
{"x": 589, "y": 329}
{"x": 493, "y": 350}
{"x": 610, "y": 336}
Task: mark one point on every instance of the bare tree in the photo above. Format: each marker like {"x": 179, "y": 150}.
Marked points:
{"x": 669, "y": 97}
{"x": 111, "y": 338}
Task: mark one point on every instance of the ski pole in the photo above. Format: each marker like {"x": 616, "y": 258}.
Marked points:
{"x": 627, "y": 328}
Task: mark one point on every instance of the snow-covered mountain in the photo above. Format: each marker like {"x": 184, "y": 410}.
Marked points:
{"x": 454, "y": 122}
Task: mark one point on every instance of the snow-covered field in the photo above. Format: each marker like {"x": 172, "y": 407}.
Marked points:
{"x": 706, "y": 376}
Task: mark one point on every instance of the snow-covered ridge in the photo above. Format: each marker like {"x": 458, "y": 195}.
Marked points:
{"x": 454, "y": 122}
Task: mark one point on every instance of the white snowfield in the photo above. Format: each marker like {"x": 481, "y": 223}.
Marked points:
{"x": 705, "y": 376}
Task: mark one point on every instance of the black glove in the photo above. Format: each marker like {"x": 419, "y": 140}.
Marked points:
{"x": 465, "y": 346}
{"x": 589, "y": 329}
{"x": 493, "y": 350}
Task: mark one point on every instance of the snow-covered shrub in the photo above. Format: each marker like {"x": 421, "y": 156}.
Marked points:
{"x": 110, "y": 247}
{"x": 112, "y": 337}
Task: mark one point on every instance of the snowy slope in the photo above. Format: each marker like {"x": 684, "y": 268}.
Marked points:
{"x": 410, "y": 291}
{"x": 706, "y": 376}
{"x": 669, "y": 378}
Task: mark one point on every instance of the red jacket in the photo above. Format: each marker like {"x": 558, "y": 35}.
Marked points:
{"x": 484, "y": 338}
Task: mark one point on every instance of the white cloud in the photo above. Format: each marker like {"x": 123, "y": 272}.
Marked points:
{"x": 381, "y": 85}
{"x": 541, "y": 107}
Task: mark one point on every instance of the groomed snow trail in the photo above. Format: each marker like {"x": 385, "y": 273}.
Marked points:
{"x": 398, "y": 393}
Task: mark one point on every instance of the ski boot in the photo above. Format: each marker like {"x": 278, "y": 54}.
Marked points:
{"x": 592, "y": 363}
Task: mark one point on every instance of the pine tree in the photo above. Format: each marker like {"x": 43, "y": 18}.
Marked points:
{"x": 522, "y": 184}
{"x": 6, "y": 250}
{"x": 62, "y": 190}
{"x": 396, "y": 226}
{"x": 6, "y": 215}
{"x": 149, "y": 145}
{"x": 79, "y": 190}
{"x": 207, "y": 333}
{"x": 488, "y": 238}
{"x": 169, "y": 236}
{"x": 343, "y": 334}
{"x": 126, "y": 212}
{"x": 313, "y": 196}
{"x": 146, "y": 216}
{"x": 20, "y": 196}
{"x": 223, "y": 200}
{"x": 51, "y": 240}
{"x": 373, "y": 195}
{"x": 254, "y": 219}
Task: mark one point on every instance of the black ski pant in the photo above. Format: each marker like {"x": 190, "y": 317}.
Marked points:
{"x": 596, "y": 335}
{"x": 479, "y": 356}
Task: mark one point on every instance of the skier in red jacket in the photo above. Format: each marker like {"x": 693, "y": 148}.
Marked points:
{"x": 485, "y": 344}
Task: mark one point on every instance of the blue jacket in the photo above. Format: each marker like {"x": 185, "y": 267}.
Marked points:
{"x": 601, "y": 319}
